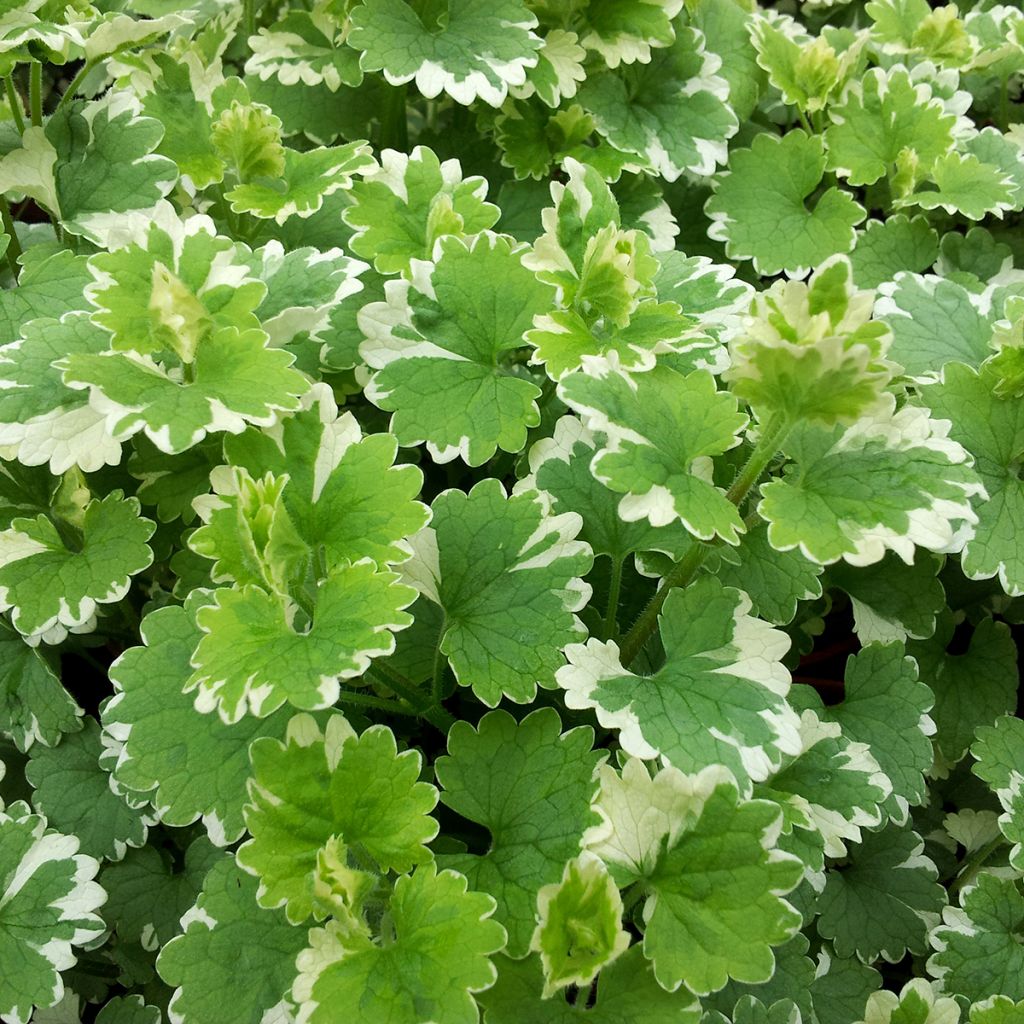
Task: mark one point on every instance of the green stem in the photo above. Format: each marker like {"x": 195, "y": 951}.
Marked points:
{"x": 13, "y": 246}
{"x": 973, "y": 864}
{"x": 130, "y": 616}
{"x": 394, "y": 122}
{"x": 773, "y": 434}
{"x": 680, "y": 575}
{"x": 15, "y": 102}
{"x": 432, "y": 713}
{"x": 35, "y": 92}
{"x": 1004, "y": 104}
{"x": 69, "y": 92}
{"x": 249, "y": 17}
{"x": 437, "y": 676}
{"x": 612, "y": 608}
{"x": 804, "y": 121}
{"x": 367, "y": 700}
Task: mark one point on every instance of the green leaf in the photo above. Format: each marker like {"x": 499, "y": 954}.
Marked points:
{"x": 993, "y": 431}
{"x": 775, "y": 581}
{"x": 304, "y": 47}
{"x": 725, "y": 26}
{"x": 248, "y": 633}
{"x": 999, "y": 750}
{"x": 916, "y": 1001}
{"x": 892, "y": 600}
{"x": 719, "y": 699}
{"x": 43, "y": 421}
{"x": 189, "y": 765}
{"x": 304, "y": 287}
{"x": 34, "y": 706}
{"x": 147, "y": 896}
{"x": 247, "y": 138}
{"x": 841, "y": 987}
{"x": 50, "y": 284}
{"x": 934, "y": 322}
{"x": 881, "y": 114}
{"x": 107, "y": 171}
{"x": 128, "y": 1010}
{"x": 626, "y": 33}
{"x": 507, "y": 575}
{"x": 344, "y": 491}
{"x": 174, "y": 102}
{"x": 234, "y": 962}
{"x": 881, "y": 902}
{"x": 169, "y": 483}
{"x": 52, "y": 589}
{"x": 601, "y": 270}
{"x": 74, "y": 792}
{"x": 885, "y": 247}
{"x": 678, "y": 832}
{"x": 316, "y": 787}
{"x": 307, "y": 179}
{"x": 833, "y": 787}
{"x": 453, "y": 329}
{"x": 438, "y": 956}
{"x": 560, "y": 467}
{"x": 972, "y": 688}
{"x": 965, "y": 185}
{"x": 48, "y": 905}
{"x": 997, "y": 1010}
{"x": 564, "y": 341}
{"x": 886, "y": 706}
{"x": 792, "y": 980}
{"x": 579, "y": 924}
{"x": 709, "y": 292}
{"x": 236, "y": 380}
{"x": 470, "y": 49}
{"x": 1002, "y": 151}
{"x": 530, "y": 786}
{"x": 558, "y": 71}
{"x": 627, "y": 993}
{"x": 656, "y": 425}
{"x": 811, "y": 351}
{"x": 171, "y": 286}
{"x": 400, "y": 210}
{"x": 892, "y": 481}
{"x": 638, "y": 111}
{"x": 978, "y": 943}
{"x": 29, "y": 170}
{"x": 759, "y": 207}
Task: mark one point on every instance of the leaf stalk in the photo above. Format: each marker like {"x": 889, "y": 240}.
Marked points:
{"x": 773, "y": 435}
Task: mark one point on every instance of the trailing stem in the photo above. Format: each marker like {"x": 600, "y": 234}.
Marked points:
{"x": 682, "y": 573}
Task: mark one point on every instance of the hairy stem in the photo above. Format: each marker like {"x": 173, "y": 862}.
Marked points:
{"x": 612, "y": 608}
{"x": 773, "y": 434}
{"x": 973, "y": 864}
{"x": 15, "y": 102}
{"x": 367, "y": 700}
{"x": 35, "y": 92}
{"x": 73, "y": 85}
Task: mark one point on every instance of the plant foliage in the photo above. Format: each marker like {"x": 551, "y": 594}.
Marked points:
{"x": 511, "y": 512}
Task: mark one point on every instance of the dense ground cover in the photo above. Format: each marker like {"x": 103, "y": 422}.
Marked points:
{"x": 511, "y": 511}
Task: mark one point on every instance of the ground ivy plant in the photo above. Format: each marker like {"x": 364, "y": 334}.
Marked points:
{"x": 511, "y": 512}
